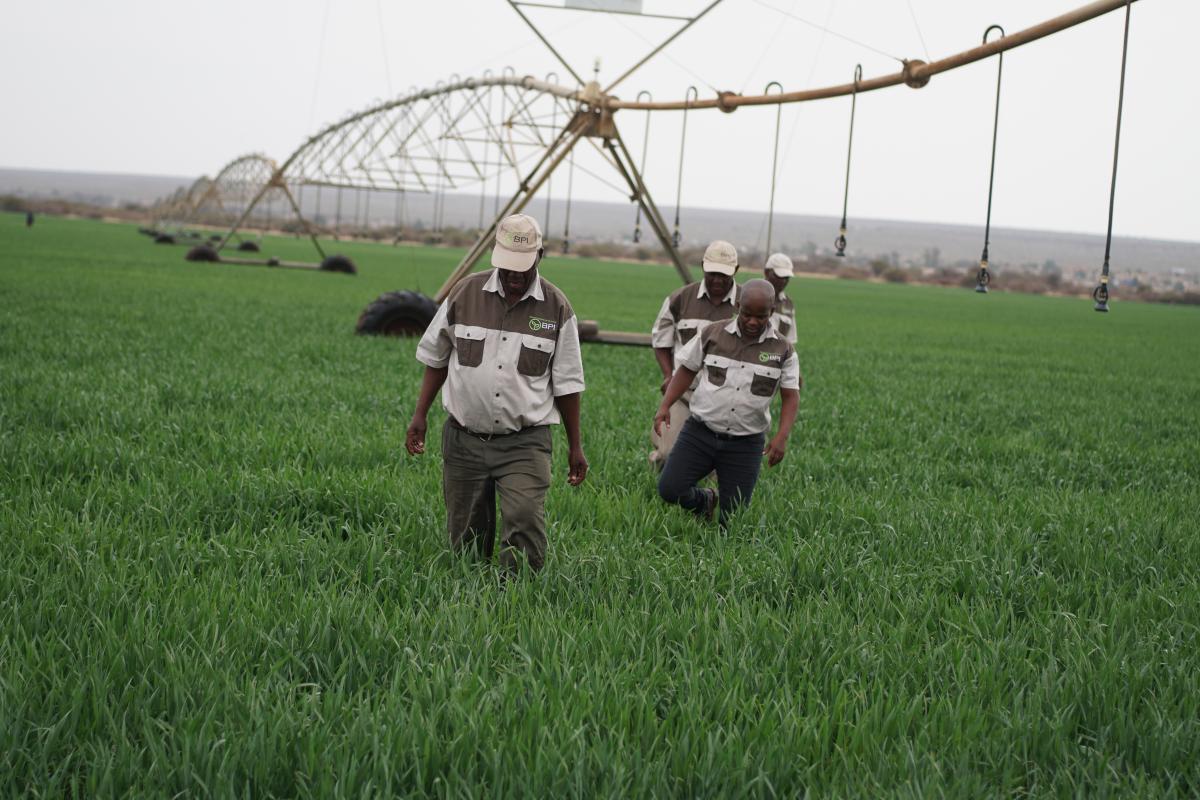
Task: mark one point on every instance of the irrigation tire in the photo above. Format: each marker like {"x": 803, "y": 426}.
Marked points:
{"x": 164, "y": 238}
{"x": 339, "y": 263}
{"x": 397, "y": 314}
{"x": 202, "y": 252}
{"x": 248, "y": 247}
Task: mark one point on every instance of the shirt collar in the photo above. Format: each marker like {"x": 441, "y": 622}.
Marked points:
{"x": 535, "y": 289}
{"x": 729, "y": 298}
{"x": 768, "y": 331}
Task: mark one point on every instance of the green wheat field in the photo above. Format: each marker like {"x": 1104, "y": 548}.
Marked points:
{"x": 976, "y": 574}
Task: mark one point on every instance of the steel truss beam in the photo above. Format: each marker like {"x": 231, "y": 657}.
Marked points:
{"x": 585, "y": 124}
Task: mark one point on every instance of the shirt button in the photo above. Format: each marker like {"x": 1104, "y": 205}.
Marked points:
{"x": 497, "y": 394}
{"x": 501, "y": 366}
{"x": 504, "y": 338}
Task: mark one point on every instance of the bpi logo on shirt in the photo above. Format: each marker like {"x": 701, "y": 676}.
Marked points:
{"x": 766, "y": 357}
{"x": 539, "y": 324}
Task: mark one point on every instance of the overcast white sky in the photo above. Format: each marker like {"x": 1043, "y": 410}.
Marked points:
{"x": 180, "y": 87}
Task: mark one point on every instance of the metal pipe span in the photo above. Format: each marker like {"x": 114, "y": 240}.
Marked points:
{"x": 522, "y": 81}
{"x": 916, "y": 72}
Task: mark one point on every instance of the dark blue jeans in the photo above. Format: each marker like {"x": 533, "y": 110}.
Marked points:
{"x": 697, "y": 452}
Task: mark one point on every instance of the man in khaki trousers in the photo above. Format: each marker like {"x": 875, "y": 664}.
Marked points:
{"x": 505, "y": 344}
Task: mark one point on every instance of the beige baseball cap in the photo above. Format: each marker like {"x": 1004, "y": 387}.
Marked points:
{"x": 518, "y": 239}
{"x": 720, "y": 256}
{"x": 780, "y": 264}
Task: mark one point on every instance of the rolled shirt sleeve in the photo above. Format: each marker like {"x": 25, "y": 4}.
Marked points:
{"x": 691, "y": 355}
{"x": 791, "y": 378}
{"x": 437, "y": 344}
{"x": 663, "y": 334}
{"x": 566, "y": 373}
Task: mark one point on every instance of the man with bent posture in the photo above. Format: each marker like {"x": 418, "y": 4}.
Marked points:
{"x": 684, "y": 314}
{"x": 506, "y": 345}
{"x": 743, "y": 363}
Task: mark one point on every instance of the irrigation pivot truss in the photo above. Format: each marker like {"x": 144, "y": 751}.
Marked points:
{"x": 483, "y": 132}
{"x": 219, "y": 201}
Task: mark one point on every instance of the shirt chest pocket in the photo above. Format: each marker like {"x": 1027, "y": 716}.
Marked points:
{"x": 468, "y": 344}
{"x": 716, "y": 369}
{"x": 535, "y": 355}
{"x": 686, "y": 329}
{"x": 765, "y": 381}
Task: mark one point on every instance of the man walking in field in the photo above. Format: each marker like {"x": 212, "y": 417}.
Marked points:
{"x": 744, "y": 363}
{"x": 778, "y": 271}
{"x": 505, "y": 344}
{"x": 684, "y": 314}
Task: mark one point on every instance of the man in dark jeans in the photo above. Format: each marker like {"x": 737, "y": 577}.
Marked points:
{"x": 744, "y": 363}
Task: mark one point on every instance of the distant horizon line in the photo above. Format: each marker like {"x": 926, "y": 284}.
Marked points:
{"x": 714, "y": 209}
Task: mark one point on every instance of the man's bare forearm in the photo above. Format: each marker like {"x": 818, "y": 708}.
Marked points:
{"x": 568, "y": 408}
{"x": 431, "y": 384}
{"x": 787, "y": 411}
{"x": 666, "y": 363}
{"x": 680, "y": 383}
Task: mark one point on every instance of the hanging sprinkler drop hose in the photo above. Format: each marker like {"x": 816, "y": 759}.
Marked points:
{"x": 840, "y": 241}
{"x": 774, "y": 164}
{"x": 637, "y": 222}
{"x": 692, "y": 94}
{"x": 1100, "y": 293}
{"x": 983, "y": 278}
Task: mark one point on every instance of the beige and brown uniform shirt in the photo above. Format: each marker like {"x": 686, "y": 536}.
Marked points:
{"x": 505, "y": 365}
{"x": 687, "y": 311}
{"x": 738, "y": 377}
{"x": 784, "y": 317}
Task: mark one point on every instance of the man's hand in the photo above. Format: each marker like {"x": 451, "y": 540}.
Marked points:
{"x": 662, "y": 389}
{"x": 414, "y": 440}
{"x": 578, "y": 466}
{"x": 776, "y": 450}
{"x": 663, "y": 417}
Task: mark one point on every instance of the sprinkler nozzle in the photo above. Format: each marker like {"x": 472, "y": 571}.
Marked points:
{"x": 983, "y": 278}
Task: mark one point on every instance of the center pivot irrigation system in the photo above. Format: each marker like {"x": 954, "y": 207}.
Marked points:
{"x": 478, "y": 132}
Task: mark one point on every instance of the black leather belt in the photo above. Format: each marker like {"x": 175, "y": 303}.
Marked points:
{"x": 482, "y": 436}
{"x": 725, "y": 437}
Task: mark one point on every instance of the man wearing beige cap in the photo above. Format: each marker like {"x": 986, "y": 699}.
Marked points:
{"x": 778, "y": 271}
{"x": 685, "y": 313}
{"x": 506, "y": 345}
{"x": 744, "y": 363}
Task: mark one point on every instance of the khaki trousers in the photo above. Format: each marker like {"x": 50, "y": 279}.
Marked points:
{"x": 518, "y": 465}
{"x": 680, "y": 412}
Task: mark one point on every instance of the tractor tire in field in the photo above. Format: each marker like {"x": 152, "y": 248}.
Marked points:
{"x": 216, "y": 237}
{"x": 164, "y": 238}
{"x": 202, "y": 252}
{"x": 248, "y": 247}
{"x": 338, "y": 263}
{"x": 397, "y": 314}
{"x": 148, "y": 232}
